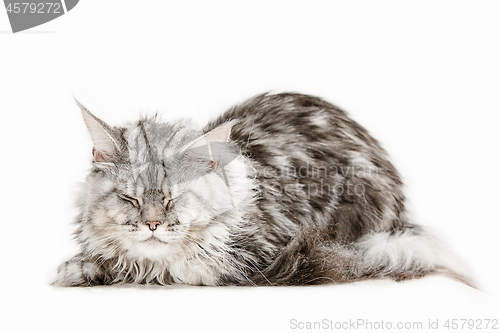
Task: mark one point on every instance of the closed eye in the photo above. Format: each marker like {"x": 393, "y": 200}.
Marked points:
{"x": 169, "y": 204}
{"x": 129, "y": 199}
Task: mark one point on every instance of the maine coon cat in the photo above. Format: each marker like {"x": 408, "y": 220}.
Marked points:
{"x": 283, "y": 189}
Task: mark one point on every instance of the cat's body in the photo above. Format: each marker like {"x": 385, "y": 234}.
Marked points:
{"x": 282, "y": 190}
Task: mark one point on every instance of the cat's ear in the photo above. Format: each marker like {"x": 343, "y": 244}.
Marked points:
{"x": 105, "y": 144}
{"x": 212, "y": 147}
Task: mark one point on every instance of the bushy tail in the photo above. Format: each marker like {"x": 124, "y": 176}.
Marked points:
{"x": 404, "y": 254}
{"x": 408, "y": 253}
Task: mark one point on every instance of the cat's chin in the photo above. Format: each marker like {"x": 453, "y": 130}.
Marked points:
{"x": 154, "y": 241}
{"x": 151, "y": 248}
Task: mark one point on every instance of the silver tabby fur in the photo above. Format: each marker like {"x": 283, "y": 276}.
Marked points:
{"x": 306, "y": 197}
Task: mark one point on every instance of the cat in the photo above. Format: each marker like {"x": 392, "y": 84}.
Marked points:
{"x": 283, "y": 189}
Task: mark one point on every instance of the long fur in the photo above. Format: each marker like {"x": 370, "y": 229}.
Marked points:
{"x": 300, "y": 194}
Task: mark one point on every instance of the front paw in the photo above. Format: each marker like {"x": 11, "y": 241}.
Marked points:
{"x": 76, "y": 272}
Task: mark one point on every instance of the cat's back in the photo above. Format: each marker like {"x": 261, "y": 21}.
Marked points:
{"x": 316, "y": 166}
{"x": 304, "y": 128}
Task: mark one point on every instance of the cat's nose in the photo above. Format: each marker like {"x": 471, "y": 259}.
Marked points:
{"x": 152, "y": 225}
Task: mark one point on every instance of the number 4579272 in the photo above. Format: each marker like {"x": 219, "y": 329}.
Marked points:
{"x": 31, "y": 7}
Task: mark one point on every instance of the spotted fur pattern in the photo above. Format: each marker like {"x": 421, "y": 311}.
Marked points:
{"x": 298, "y": 194}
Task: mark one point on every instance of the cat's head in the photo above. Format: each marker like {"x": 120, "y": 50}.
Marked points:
{"x": 160, "y": 190}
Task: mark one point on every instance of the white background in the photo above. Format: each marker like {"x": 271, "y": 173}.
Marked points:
{"x": 423, "y": 77}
